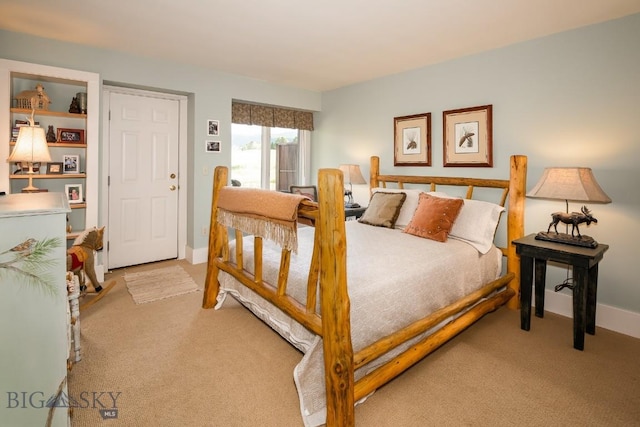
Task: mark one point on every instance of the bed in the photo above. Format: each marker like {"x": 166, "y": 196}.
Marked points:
{"x": 346, "y": 293}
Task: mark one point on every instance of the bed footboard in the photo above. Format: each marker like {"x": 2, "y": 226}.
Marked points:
{"x": 327, "y": 272}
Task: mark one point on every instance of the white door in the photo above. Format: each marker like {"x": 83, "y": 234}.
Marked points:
{"x": 143, "y": 179}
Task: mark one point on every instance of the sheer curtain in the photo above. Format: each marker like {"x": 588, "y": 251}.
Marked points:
{"x": 304, "y": 165}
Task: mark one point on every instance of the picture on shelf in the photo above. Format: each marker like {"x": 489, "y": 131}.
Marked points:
{"x": 71, "y": 163}
{"x": 74, "y": 136}
{"x": 74, "y": 193}
{"x": 54, "y": 168}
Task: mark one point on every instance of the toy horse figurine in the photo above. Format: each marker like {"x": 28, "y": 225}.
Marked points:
{"x": 80, "y": 257}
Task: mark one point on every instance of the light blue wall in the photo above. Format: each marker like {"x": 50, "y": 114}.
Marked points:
{"x": 566, "y": 100}
{"x": 571, "y": 99}
{"x": 210, "y": 94}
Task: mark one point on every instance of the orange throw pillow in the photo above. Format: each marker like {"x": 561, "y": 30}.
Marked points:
{"x": 434, "y": 217}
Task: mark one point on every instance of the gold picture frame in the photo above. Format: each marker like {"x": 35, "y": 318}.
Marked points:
{"x": 468, "y": 137}
{"x": 412, "y": 140}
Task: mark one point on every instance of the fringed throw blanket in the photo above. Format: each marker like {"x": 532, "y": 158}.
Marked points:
{"x": 268, "y": 214}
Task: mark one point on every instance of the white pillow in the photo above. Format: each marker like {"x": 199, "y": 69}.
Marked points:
{"x": 476, "y": 224}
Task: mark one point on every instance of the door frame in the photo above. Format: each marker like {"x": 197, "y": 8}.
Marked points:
{"x": 182, "y": 160}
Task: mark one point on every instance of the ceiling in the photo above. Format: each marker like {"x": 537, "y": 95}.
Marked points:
{"x": 320, "y": 45}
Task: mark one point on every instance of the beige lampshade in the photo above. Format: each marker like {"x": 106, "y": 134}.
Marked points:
{"x": 31, "y": 146}
{"x": 352, "y": 174}
{"x": 575, "y": 184}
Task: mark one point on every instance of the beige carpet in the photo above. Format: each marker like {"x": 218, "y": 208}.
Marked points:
{"x": 175, "y": 364}
{"x": 157, "y": 284}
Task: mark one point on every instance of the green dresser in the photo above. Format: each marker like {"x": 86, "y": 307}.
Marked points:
{"x": 34, "y": 343}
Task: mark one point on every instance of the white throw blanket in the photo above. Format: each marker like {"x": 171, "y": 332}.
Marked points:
{"x": 393, "y": 279}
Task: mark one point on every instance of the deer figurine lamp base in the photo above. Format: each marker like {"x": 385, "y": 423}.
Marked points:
{"x": 575, "y": 184}
{"x": 573, "y": 219}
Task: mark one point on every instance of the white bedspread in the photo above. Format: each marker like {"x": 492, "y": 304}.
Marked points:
{"x": 393, "y": 279}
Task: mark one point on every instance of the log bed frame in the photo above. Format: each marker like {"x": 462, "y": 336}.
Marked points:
{"x": 328, "y": 276}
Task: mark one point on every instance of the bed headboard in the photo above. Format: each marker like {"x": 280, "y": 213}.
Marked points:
{"x": 512, "y": 197}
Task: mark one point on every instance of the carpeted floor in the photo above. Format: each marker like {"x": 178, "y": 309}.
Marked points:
{"x": 175, "y": 364}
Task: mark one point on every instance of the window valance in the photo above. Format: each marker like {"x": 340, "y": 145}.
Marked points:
{"x": 261, "y": 115}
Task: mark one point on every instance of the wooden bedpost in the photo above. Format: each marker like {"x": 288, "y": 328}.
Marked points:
{"x": 335, "y": 306}
{"x": 211, "y": 285}
{"x": 374, "y": 171}
{"x": 515, "y": 229}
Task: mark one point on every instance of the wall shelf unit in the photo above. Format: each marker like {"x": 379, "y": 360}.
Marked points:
{"x": 61, "y": 86}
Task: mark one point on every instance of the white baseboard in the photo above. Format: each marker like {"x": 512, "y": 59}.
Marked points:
{"x": 608, "y": 317}
{"x": 196, "y": 256}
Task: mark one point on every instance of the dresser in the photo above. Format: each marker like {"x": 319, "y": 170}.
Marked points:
{"x": 34, "y": 343}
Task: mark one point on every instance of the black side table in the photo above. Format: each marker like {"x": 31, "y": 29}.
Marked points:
{"x": 585, "y": 281}
{"x": 354, "y": 212}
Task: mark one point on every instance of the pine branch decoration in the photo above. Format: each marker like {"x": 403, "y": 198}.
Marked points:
{"x": 30, "y": 261}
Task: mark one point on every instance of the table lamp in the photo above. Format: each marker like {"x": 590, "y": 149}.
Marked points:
{"x": 575, "y": 184}
{"x": 31, "y": 147}
{"x": 352, "y": 175}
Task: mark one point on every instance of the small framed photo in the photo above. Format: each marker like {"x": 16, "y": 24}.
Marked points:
{"x": 70, "y": 136}
{"x": 412, "y": 140}
{"x": 70, "y": 163}
{"x": 468, "y": 137}
{"x": 74, "y": 193}
{"x": 54, "y": 168}
{"x": 213, "y": 128}
{"x": 212, "y": 146}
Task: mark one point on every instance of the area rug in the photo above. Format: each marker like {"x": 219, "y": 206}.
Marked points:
{"x": 160, "y": 283}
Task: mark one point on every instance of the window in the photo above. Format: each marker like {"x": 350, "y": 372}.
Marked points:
{"x": 269, "y": 157}
{"x": 270, "y": 146}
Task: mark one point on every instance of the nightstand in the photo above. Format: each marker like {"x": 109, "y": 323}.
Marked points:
{"x": 534, "y": 255}
{"x": 354, "y": 213}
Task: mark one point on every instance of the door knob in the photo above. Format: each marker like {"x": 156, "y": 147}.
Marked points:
{"x": 172, "y": 187}
{"x": 172, "y": 176}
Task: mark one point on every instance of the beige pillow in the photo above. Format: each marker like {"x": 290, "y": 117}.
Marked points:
{"x": 383, "y": 209}
{"x": 434, "y": 217}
